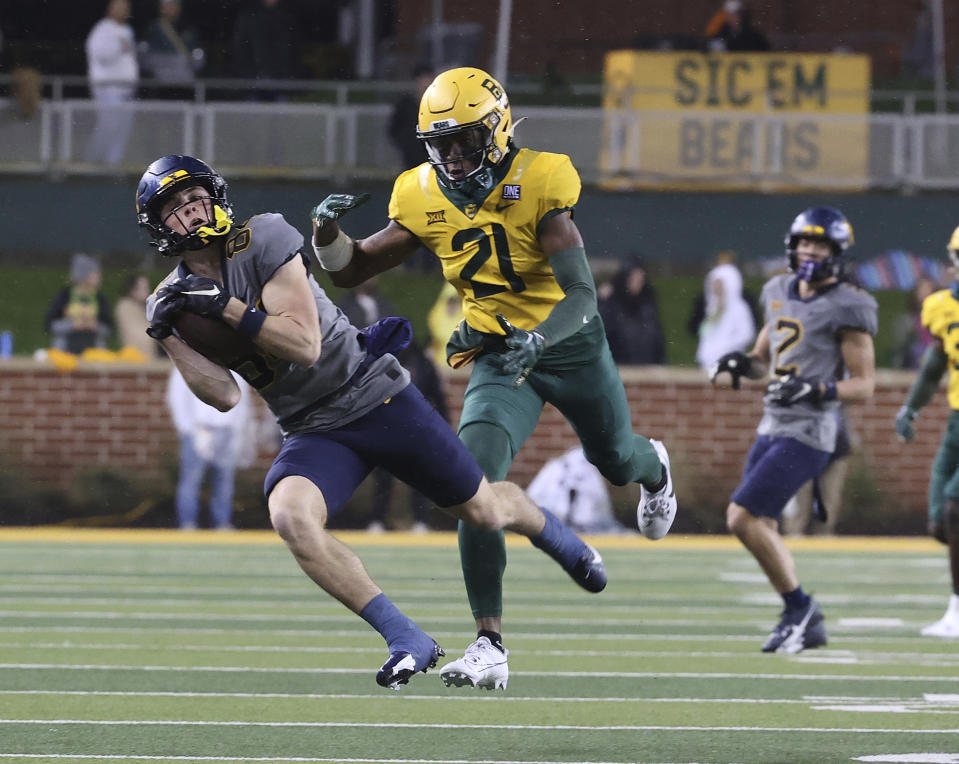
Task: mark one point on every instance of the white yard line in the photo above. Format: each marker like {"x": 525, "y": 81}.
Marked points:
{"x": 569, "y": 674}
{"x": 451, "y": 726}
{"x": 103, "y": 757}
{"x": 859, "y": 657}
{"x": 443, "y": 698}
{"x": 343, "y": 615}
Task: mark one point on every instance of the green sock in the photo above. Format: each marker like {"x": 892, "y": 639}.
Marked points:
{"x": 483, "y": 553}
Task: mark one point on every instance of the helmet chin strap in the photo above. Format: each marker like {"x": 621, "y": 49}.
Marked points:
{"x": 222, "y": 223}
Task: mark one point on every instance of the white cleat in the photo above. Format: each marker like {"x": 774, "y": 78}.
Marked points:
{"x": 656, "y": 511}
{"x": 946, "y": 627}
{"x": 482, "y": 665}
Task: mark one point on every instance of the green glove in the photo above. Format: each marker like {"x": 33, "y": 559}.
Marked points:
{"x": 904, "y": 420}
{"x": 335, "y": 206}
{"x": 525, "y": 348}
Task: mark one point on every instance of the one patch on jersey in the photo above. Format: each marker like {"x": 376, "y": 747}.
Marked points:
{"x": 776, "y": 305}
{"x": 470, "y": 210}
{"x": 511, "y": 191}
{"x": 435, "y": 217}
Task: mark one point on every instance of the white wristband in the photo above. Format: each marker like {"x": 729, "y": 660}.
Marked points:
{"x": 336, "y": 255}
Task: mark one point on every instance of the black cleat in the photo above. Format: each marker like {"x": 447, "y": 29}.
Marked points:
{"x": 798, "y": 629}
{"x": 401, "y": 665}
{"x": 589, "y": 571}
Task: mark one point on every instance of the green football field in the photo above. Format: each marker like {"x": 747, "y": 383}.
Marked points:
{"x": 162, "y": 646}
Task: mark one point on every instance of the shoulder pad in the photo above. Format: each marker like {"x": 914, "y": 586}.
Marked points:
{"x": 268, "y": 233}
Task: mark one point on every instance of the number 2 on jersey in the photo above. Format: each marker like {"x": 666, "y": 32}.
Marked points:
{"x": 483, "y": 253}
{"x": 795, "y": 332}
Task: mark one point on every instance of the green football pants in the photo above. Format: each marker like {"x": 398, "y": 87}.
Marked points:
{"x": 498, "y": 418}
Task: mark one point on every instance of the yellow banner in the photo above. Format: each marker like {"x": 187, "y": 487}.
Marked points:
{"x": 737, "y": 121}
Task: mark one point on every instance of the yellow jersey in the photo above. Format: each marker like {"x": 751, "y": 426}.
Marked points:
{"x": 940, "y": 315}
{"x": 490, "y": 252}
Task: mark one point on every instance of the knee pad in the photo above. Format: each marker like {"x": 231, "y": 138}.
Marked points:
{"x": 626, "y": 461}
{"x": 491, "y": 446}
{"x": 622, "y": 473}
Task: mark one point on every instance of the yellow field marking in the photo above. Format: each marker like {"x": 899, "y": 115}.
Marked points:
{"x": 43, "y": 534}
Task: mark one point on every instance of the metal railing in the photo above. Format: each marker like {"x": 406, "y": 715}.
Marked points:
{"x": 328, "y": 140}
{"x": 344, "y": 92}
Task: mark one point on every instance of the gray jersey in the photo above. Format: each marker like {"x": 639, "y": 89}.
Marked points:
{"x": 804, "y": 339}
{"x": 344, "y": 384}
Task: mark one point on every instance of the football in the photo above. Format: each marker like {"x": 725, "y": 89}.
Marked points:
{"x": 213, "y": 338}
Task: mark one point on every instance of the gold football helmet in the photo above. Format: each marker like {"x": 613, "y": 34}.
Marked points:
{"x": 466, "y": 125}
{"x": 953, "y": 248}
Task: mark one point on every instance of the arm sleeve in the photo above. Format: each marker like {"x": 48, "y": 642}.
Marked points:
{"x": 568, "y": 316}
{"x": 931, "y": 369}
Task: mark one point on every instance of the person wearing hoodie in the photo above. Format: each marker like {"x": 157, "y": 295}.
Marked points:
{"x": 630, "y": 313}
{"x": 728, "y": 325}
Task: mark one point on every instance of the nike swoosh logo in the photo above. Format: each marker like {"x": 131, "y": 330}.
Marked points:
{"x": 212, "y": 292}
{"x": 501, "y": 207}
{"x": 804, "y": 391}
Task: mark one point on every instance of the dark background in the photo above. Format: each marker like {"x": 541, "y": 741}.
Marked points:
{"x": 569, "y": 37}
{"x": 49, "y": 34}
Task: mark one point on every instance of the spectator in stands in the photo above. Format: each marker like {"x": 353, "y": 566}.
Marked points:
{"x": 731, "y": 29}
{"x": 912, "y": 338}
{"x": 27, "y": 91}
{"x": 131, "y": 317}
{"x": 171, "y": 52}
{"x": 728, "y": 324}
{"x": 210, "y": 440}
{"x": 263, "y": 44}
{"x": 402, "y": 127}
{"x": 79, "y": 316}
{"x": 113, "y": 73}
{"x": 631, "y": 316}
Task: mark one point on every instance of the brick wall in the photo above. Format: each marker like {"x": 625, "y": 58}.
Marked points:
{"x": 101, "y": 415}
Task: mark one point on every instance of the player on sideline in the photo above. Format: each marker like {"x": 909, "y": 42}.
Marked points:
{"x": 940, "y": 314}
{"x": 817, "y": 343}
{"x": 343, "y": 400}
{"x": 500, "y": 220}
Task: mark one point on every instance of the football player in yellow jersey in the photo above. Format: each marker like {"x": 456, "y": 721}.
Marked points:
{"x": 940, "y": 315}
{"x": 500, "y": 220}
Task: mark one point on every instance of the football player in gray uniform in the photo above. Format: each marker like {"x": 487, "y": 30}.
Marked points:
{"x": 345, "y": 403}
{"x": 817, "y": 343}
